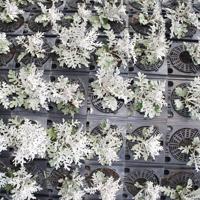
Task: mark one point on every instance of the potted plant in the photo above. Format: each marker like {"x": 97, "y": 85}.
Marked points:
{"x": 146, "y": 144}
{"x": 26, "y": 89}
{"x": 106, "y": 141}
{"x": 185, "y": 98}
{"x": 67, "y": 95}
{"x": 107, "y": 186}
{"x": 76, "y": 44}
{"x": 151, "y": 50}
{"x": 28, "y": 139}
{"x": 148, "y": 191}
{"x": 48, "y": 19}
{"x": 183, "y": 20}
{"x": 182, "y": 192}
{"x": 34, "y": 47}
{"x": 72, "y": 187}
{"x": 109, "y": 15}
{"x": 69, "y": 144}
{"x": 116, "y": 51}
{"x": 148, "y": 96}
{"x": 10, "y": 16}
{"x": 20, "y": 184}
{"x": 110, "y": 87}
{"x": 6, "y": 49}
{"x": 193, "y": 150}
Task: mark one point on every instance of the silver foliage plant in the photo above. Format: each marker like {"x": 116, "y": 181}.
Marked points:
{"x": 182, "y": 18}
{"x": 193, "y": 150}
{"x": 189, "y": 98}
{"x": 4, "y": 44}
{"x": 28, "y": 139}
{"x": 22, "y": 184}
{"x": 148, "y": 96}
{"x": 181, "y": 192}
{"x": 69, "y": 144}
{"x": 10, "y": 12}
{"x": 106, "y": 143}
{"x": 76, "y": 44}
{"x": 106, "y": 186}
{"x": 110, "y": 86}
{"x": 194, "y": 51}
{"x": 147, "y": 145}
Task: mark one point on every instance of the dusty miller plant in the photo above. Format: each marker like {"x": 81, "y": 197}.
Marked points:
{"x": 116, "y": 50}
{"x": 106, "y": 144}
{"x": 29, "y": 140}
{"x": 147, "y": 145}
{"x": 77, "y": 43}
{"x": 151, "y": 49}
{"x": 193, "y": 150}
{"x": 148, "y": 191}
{"x": 108, "y": 12}
{"x": 28, "y": 87}
{"x": 148, "y": 96}
{"x": 32, "y": 44}
{"x": 181, "y": 192}
{"x": 189, "y": 98}
{"x": 182, "y": 18}
{"x": 72, "y": 187}
{"x": 106, "y": 186}
{"x": 49, "y": 16}
{"x": 67, "y": 95}
{"x": 69, "y": 144}
{"x": 4, "y": 44}
{"x": 194, "y": 51}
{"x": 4, "y": 138}
{"x": 110, "y": 86}
{"x": 20, "y": 184}
{"x": 10, "y": 11}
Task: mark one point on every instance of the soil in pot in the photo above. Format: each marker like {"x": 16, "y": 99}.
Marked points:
{"x": 182, "y": 137}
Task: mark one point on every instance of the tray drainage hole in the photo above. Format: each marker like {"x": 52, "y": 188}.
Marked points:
{"x": 169, "y": 129}
{"x": 50, "y": 107}
{"x": 167, "y": 159}
{"x": 170, "y": 70}
{"x": 127, "y": 157}
{"x": 126, "y": 170}
{"x": 17, "y": 65}
{"x": 170, "y": 83}
{"x": 91, "y": 80}
{"x": 166, "y": 172}
{"x": 92, "y": 67}
{"x": 161, "y": 143}
{"x": 52, "y": 78}
{"x": 170, "y": 114}
{"x": 131, "y": 69}
{"x": 54, "y": 66}
{"x": 87, "y": 124}
{"x": 50, "y": 190}
{"x": 125, "y": 195}
{"x": 49, "y": 122}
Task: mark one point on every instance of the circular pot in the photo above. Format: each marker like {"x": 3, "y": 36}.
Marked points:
{"x": 182, "y": 137}
{"x": 140, "y": 176}
{"x": 12, "y": 26}
{"x": 181, "y": 60}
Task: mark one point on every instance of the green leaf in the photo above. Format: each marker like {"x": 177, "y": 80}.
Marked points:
{"x": 52, "y": 134}
{"x": 181, "y": 92}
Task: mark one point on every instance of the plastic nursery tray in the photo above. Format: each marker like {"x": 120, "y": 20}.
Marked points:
{"x": 117, "y": 171}
{"x": 179, "y": 135}
{"x": 140, "y": 174}
{"x": 182, "y": 116}
{"x": 135, "y": 128}
{"x": 179, "y": 61}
